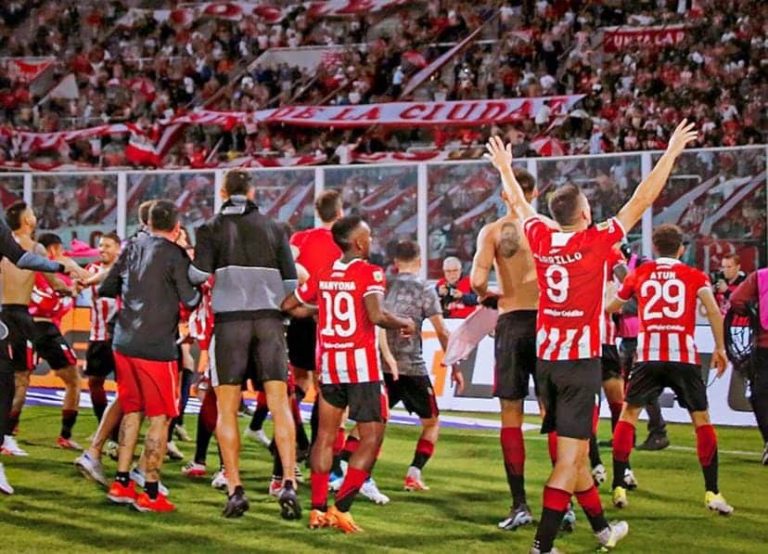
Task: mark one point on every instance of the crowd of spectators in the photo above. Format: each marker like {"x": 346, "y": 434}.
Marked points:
{"x": 143, "y": 70}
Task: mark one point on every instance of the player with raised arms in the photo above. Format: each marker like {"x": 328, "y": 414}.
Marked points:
{"x": 570, "y": 255}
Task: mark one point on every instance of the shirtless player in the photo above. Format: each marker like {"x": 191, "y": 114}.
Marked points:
{"x": 503, "y": 246}
{"x": 17, "y": 293}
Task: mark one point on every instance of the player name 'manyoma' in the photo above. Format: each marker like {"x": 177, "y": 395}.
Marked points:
{"x": 559, "y": 260}
{"x": 337, "y": 285}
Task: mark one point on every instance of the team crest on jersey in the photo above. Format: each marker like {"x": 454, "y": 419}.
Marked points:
{"x": 378, "y": 276}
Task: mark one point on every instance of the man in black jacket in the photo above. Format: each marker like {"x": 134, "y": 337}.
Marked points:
{"x": 251, "y": 258}
{"x": 151, "y": 276}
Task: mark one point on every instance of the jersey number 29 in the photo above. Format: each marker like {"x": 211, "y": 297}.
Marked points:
{"x": 672, "y": 292}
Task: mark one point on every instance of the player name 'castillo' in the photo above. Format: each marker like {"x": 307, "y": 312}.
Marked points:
{"x": 559, "y": 260}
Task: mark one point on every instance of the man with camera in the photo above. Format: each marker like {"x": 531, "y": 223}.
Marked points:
{"x": 727, "y": 280}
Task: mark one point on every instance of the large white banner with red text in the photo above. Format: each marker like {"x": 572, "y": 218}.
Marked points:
{"x": 392, "y": 114}
{"x": 619, "y": 38}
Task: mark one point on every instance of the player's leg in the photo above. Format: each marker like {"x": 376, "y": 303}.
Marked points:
{"x": 515, "y": 356}
{"x": 369, "y": 407}
{"x": 657, "y": 438}
{"x": 568, "y": 391}
{"x": 98, "y": 364}
{"x": 89, "y": 462}
{"x": 645, "y": 384}
{"x": 230, "y": 353}
{"x": 187, "y": 379}
{"x": 758, "y": 397}
{"x": 691, "y": 391}
{"x": 6, "y": 399}
{"x": 21, "y": 384}
{"x": 255, "y": 429}
{"x": 159, "y": 388}
{"x": 331, "y": 408}
{"x": 70, "y": 375}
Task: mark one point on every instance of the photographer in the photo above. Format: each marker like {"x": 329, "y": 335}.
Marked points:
{"x": 456, "y": 297}
{"x": 754, "y": 289}
{"x": 725, "y": 281}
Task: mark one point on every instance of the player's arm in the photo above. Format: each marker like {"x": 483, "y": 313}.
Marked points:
{"x": 382, "y": 317}
{"x": 648, "y": 191}
{"x": 438, "y": 323}
{"x": 201, "y": 268}
{"x": 482, "y": 263}
{"x": 189, "y": 295}
{"x": 623, "y": 296}
{"x": 719, "y": 359}
{"x": 302, "y": 301}
{"x": 112, "y": 286}
{"x": 501, "y": 158}
{"x": 22, "y": 259}
{"x": 56, "y": 284}
{"x": 745, "y": 293}
{"x": 386, "y": 353}
{"x": 295, "y": 308}
{"x": 285, "y": 263}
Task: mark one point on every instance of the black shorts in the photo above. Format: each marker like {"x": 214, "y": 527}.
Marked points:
{"x": 51, "y": 346}
{"x": 21, "y": 334}
{"x": 627, "y": 351}
{"x": 648, "y": 379}
{"x": 515, "y": 353}
{"x": 99, "y": 359}
{"x": 415, "y": 392}
{"x": 367, "y": 402}
{"x": 301, "y": 337}
{"x": 569, "y": 391}
{"x": 610, "y": 362}
{"x": 243, "y": 345}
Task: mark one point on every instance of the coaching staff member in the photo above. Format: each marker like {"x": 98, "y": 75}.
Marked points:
{"x": 250, "y": 256}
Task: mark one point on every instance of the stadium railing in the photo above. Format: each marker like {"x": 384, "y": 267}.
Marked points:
{"x": 717, "y": 195}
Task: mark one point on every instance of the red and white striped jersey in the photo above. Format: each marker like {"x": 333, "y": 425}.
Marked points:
{"x": 347, "y": 345}
{"x": 666, "y": 291}
{"x": 608, "y": 325}
{"x": 201, "y": 318}
{"x": 571, "y": 271}
{"x": 46, "y": 303}
{"x": 102, "y": 309}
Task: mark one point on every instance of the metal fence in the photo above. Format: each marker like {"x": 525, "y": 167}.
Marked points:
{"x": 717, "y": 195}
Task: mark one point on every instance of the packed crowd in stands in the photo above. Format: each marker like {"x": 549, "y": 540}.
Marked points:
{"x": 135, "y": 67}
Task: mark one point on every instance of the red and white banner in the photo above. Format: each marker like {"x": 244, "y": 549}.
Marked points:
{"x": 26, "y": 69}
{"x": 399, "y": 157}
{"x": 391, "y": 114}
{"x": 186, "y": 14}
{"x": 470, "y": 113}
{"x": 618, "y": 38}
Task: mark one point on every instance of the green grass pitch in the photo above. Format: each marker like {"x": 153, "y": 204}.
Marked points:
{"x": 56, "y": 510}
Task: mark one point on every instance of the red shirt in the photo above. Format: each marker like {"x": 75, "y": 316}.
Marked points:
{"x": 666, "y": 291}
{"x": 317, "y": 251}
{"x": 347, "y": 340}
{"x": 102, "y": 309}
{"x": 46, "y": 303}
{"x": 571, "y": 272}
